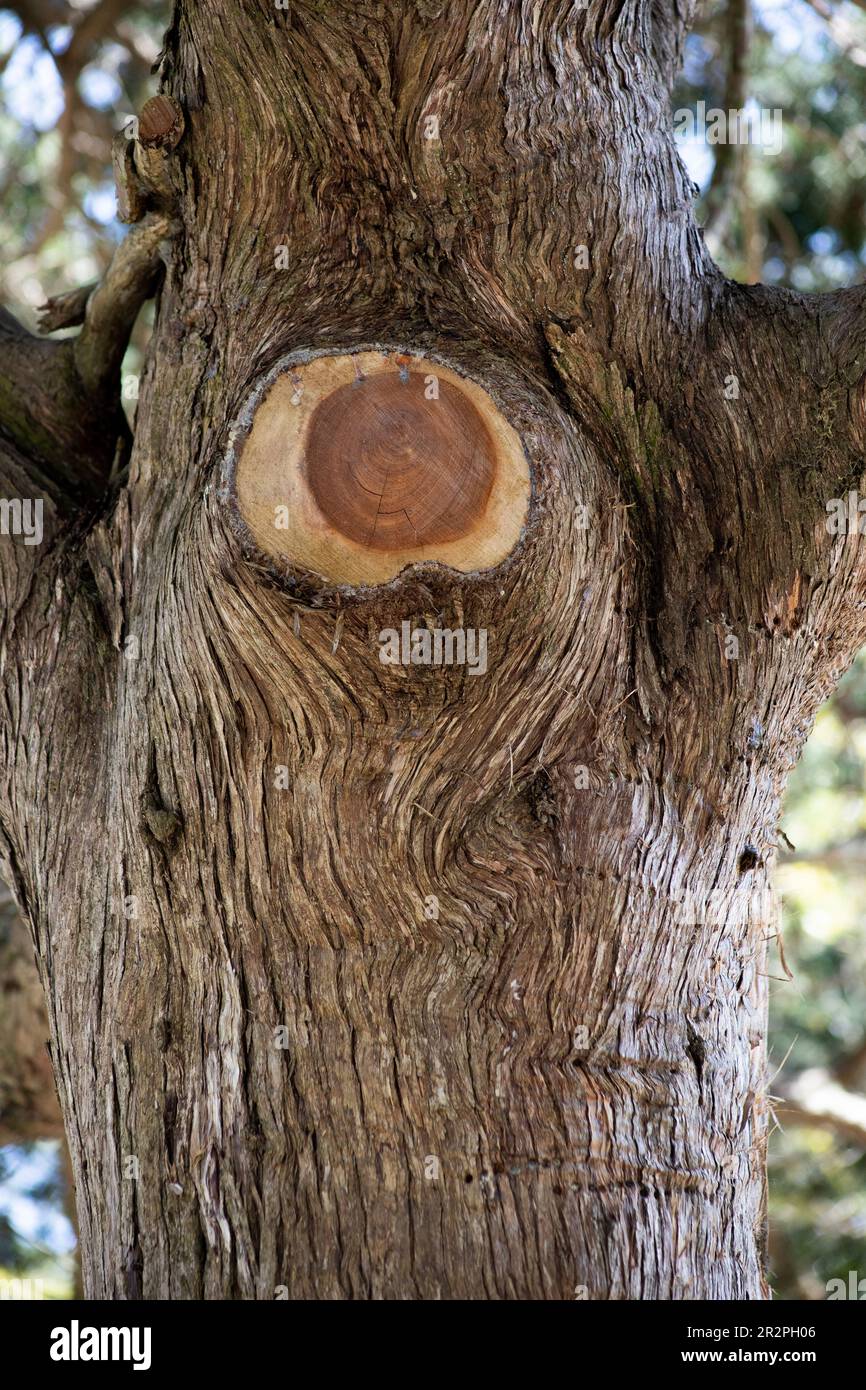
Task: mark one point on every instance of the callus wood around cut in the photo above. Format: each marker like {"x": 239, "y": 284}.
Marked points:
{"x": 355, "y": 466}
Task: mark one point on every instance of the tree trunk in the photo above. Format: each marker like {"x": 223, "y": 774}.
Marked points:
{"x": 384, "y": 978}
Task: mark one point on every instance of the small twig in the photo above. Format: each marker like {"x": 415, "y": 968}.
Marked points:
{"x": 65, "y": 310}
{"x": 113, "y": 306}
{"x": 612, "y": 712}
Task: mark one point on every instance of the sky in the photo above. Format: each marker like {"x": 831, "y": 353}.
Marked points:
{"x": 36, "y": 1221}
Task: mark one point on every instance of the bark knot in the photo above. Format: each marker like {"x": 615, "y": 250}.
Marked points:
{"x": 164, "y": 825}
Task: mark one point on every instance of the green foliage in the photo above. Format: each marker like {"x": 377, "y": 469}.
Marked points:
{"x": 818, "y": 1178}
{"x": 807, "y": 201}
{"x": 35, "y": 1237}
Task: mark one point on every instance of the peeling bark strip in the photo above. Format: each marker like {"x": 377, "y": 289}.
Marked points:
{"x": 369, "y": 979}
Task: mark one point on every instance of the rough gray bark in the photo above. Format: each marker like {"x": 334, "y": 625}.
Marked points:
{"x": 577, "y": 1039}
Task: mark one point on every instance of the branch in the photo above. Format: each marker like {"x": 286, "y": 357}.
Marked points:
{"x": 846, "y": 856}
{"x": 60, "y": 401}
{"x": 843, "y": 329}
{"x": 61, "y": 417}
{"x": 670, "y": 26}
{"x": 113, "y": 307}
{"x": 94, "y": 25}
{"x": 70, "y": 437}
{"x": 65, "y": 310}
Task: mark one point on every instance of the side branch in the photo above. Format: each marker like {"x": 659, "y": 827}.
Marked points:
{"x": 47, "y": 415}
{"x": 60, "y": 401}
{"x": 113, "y": 307}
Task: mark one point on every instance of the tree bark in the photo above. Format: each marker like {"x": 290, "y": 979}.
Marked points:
{"x": 383, "y": 981}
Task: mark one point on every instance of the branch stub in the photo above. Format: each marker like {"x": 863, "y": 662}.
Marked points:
{"x": 358, "y": 465}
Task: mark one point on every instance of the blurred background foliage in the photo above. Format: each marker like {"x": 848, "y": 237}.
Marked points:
{"x": 792, "y": 216}
{"x": 37, "y": 1243}
{"x": 818, "y": 1019}
{"x": 71, "y": 74}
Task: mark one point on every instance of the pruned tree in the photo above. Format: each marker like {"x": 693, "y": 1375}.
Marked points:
{"x": 371, "y": 974}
